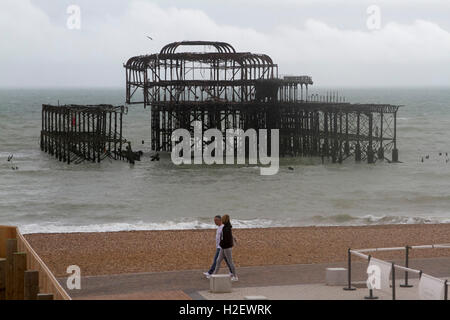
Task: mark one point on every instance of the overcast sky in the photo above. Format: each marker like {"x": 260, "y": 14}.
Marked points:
{"x": 326, "y": 39}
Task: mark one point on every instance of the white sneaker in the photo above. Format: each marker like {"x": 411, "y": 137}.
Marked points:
{"x": 234, "y": 279}
{"x": 206, "y": 274}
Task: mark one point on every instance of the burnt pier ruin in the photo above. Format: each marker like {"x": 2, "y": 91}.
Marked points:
{"x": 75, "y": 134}
{"x": 211, "y": 83}
{"x": 225, "y": 89}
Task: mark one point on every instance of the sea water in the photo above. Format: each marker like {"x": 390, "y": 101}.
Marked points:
{"x": 45, "y": 195}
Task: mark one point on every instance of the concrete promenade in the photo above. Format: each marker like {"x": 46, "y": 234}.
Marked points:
{"x": 275, "y": 282}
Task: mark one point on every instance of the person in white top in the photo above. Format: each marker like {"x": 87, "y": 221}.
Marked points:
{"x": 218, "y": 222}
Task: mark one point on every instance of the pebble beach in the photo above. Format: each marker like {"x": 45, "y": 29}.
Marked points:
{"x": 160, "y": 251}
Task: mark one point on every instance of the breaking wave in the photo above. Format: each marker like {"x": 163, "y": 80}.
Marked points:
{"x": 337, "y": 220}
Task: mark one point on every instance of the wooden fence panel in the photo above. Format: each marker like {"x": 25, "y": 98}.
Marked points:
{"x": 47, "y": 281}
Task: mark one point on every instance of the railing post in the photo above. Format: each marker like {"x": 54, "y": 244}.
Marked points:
{"x": 2, "y": 279}
{"x": 370, "y": 296}
{"x": 446, "y": 290}
{"x": 393, "y": 281}
{"x": 406, "y": 284}
{"x": 11, "y": 248}
{"x": 31, "y": 285}
{"x": 349, "y": 288}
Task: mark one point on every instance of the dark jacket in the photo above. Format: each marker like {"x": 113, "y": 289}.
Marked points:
{"x": 227, "y": 237}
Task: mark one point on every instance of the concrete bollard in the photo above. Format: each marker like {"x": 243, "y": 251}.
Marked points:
{"x": 255, "y": 298}
{"x": 220, "y": 283}
{"x": 336, "y": 276}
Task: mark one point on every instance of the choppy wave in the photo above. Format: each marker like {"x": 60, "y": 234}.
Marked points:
{"x": 139, "y": 226}
{"x": 337, "y": 220}
{"x": 349, "y": 220}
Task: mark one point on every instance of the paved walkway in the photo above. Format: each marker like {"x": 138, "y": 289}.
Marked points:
{"x": 308, "y": 279}
{"x": 313, "y": 292}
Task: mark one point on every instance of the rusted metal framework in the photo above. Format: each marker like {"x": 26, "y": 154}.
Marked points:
{"x": 74, "y": 134}
{"x": 225, "y": 89}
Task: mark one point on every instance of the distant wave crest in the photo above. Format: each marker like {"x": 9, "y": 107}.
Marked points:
{"x": 337, "y": 220}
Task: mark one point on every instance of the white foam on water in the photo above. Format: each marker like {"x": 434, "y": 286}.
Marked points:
{"x": 237, "y": 224}
{"x": 139, "y": 226}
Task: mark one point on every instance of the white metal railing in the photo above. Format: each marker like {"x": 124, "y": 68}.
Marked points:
{"x": 361, "y": 253}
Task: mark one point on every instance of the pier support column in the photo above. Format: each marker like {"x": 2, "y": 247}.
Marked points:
{"x": 395, "y": 150}
{"x": 347, "y": 143}
{"x": 380, "y": 154}
{"x": 336, "y": 142}
{"x": 358, "y": 153}
{"x": 326, "y": 147}
{"x": 395, "y": 155}
{"x": 370, "y": 152}
{"x": 370, "y": 155}
{"x": 358, "y": 131}
{"x": 347, "y": 148}
{"x": 381, "y": 149}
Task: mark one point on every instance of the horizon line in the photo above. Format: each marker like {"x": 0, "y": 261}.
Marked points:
{"x": 84, "y": 87}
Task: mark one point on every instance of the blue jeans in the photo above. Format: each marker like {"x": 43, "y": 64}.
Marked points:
{"x": 213, "y": 267}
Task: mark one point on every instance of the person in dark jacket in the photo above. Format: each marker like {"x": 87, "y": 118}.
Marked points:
{"x": 219, "y": 224}
{"x": 226, "y": 247}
